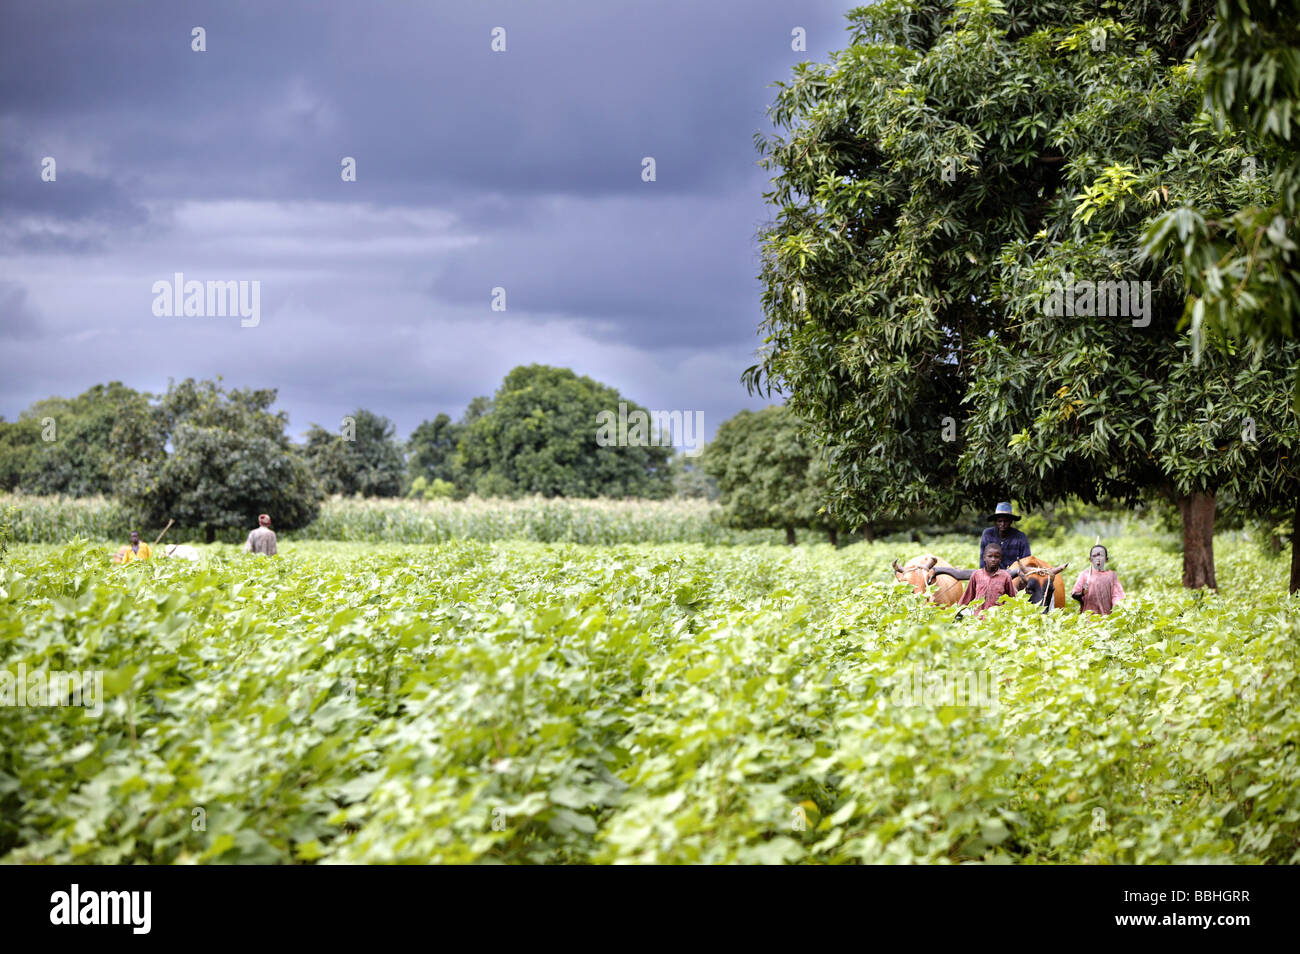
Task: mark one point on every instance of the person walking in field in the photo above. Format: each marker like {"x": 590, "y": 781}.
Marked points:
{"x": 989, "y": 582}
{"x": 135, "y": 550}
{"x": 262, "y": 540}
{"x": 1098, "y": 589}
{"x": 1014, "y": 544}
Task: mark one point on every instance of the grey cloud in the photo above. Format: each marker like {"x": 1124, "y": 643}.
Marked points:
{"x": 474, "y": 170}
{"x": 583, "y": 92}
{"x": 19, "y": 320}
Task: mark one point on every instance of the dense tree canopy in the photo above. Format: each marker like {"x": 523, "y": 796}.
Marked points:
{"x": 956, "y": 294}
{"x": 540, "y": 437}
{"x": 1239, "y": 253}
{"x": 690, "y": 480}
{"x": 435, "y": 463}
{"x": 362, "y": 457}
{"x": 431, "y": 450}
{"x": 767, "y": 475}
{"x": 65, "y": 445}
{"x": 211, "y": 458}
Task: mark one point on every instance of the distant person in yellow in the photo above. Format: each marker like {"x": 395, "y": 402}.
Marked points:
{"x": 261, "y": 540}
{"x": 133, "y": 551}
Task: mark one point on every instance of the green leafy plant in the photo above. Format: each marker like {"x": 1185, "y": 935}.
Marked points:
{"x": 6, "y": 530}
{"x": 526, "y": 702}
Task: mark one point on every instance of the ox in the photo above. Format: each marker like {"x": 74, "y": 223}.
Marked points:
{"x": 919, "y": 573}
{"x": 1042, "y": 581}
{"x": 1036, "y": 577}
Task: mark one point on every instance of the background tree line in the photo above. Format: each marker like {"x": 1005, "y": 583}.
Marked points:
{"x": 212, "y": 457}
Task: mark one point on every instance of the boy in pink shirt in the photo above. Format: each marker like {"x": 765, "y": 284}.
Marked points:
{"x": 1098, "y": 589}
{"x": 989, "y": 582}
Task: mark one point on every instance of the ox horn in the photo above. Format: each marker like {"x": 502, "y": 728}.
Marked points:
{"x": 898, "y": 569}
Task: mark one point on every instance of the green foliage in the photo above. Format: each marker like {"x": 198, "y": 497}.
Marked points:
{"x": 363, "y": 459}
{"x": 690, "y": 480}
{"x": 423, "y": 489}
{"x": 435, "y": 454}
{"x": 67, "y": 445}
{"x": 6, "y": 530}
{"x": 1049, "y": 526}
{"x": 431, "y": 451}
{"x": 529, "y": 703}
{"x": 539, "y": 437}
{"x": 19, "y": 445}
{"x": 942, "y": 136}
{"x": 229, "y": 460}
{"x": 766, "y": 474}
{"x": 477, "y": 407}
{"x": 1238, "y": 253}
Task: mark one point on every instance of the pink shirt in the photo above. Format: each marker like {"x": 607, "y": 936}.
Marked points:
{"x": 1104, "y": 591}
{"x": 988, "y": 587}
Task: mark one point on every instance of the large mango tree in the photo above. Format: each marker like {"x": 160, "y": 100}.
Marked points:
{"x": 957, "y": 300}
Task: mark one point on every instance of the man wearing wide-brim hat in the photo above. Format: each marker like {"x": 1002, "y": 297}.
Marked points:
{"x": 1015, "y": 545}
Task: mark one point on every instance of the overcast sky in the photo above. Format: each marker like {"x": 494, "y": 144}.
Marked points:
{"x": 475, "y": 170}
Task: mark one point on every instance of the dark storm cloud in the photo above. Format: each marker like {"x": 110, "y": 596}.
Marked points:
{"x": 475, "y": 170}
{"x": 412, "y": 90}
{"x": 73, "y": 194}
{"x": 632, "y": 269}
{"x": 32, "y": 209}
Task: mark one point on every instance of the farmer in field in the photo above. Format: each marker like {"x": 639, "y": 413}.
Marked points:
{"x": 990, "y": 581}
{"x": 135, "y": 550}
{"x": 1098, "y": 589}
{"x": 1014, "y": 544}
{"x": 261, "y": 540}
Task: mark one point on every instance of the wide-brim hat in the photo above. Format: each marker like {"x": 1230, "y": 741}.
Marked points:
{"x": 1003, "y": 510}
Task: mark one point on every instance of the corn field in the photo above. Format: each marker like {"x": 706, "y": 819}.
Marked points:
{"x": 58, "y": 520}
{"x": 534, "y": 518}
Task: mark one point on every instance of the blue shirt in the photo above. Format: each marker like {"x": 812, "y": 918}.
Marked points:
{"x": 1015, "y": 545}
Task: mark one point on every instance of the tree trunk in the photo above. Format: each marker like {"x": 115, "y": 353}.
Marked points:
{"x": 789, "y": 536}
{"x": 1198, "y": 540}
{"x": 209, "y": 534}
{"x": 868, "y": 532}
{"x": 1295, "y": 549}
{"x": 834, "y": 537}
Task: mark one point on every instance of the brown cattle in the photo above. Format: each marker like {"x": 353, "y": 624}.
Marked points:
{"x": 916, "y": 573}
{"x": 1041, "y": 570}
{"x": 1031, "y": 574}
